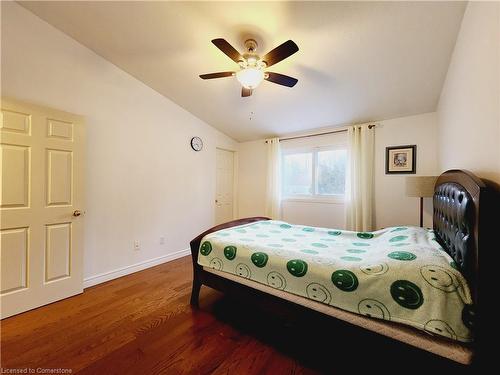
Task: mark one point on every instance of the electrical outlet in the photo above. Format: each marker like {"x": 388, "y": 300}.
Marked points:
{"x": 137, "y": 245}
{"x": 162, "y": 240}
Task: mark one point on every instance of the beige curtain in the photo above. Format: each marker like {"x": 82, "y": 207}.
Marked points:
{"x": 273, "y": 199}
{"x": 359, "y": 180}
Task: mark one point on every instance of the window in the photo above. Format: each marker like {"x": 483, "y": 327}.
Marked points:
{"x": 331, "y": 167}
{"x": 297, "y": 173}
{"x": 318, "y": 172}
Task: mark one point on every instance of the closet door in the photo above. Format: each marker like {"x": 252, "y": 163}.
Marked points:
{"x": 224, "y": 186}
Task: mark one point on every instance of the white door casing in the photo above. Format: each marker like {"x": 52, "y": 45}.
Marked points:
{"x": 224, "y": 186}
{"x": 42, "y": 166}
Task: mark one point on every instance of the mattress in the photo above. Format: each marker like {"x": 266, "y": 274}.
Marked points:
{"x": 398, "y": 274}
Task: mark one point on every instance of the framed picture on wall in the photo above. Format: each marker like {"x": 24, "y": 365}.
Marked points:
{"x": 401, "y": 159}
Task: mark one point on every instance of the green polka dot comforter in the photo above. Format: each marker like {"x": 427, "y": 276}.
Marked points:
{"x": 399, "y": 274}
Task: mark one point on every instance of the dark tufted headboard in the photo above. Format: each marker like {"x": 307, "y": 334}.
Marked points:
{"x": 459, "y": 221}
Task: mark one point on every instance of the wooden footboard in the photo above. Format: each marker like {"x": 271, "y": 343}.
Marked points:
{"x": 201, "y": 277}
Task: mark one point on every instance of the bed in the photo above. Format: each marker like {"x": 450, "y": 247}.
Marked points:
{"x": 415, "y": 285}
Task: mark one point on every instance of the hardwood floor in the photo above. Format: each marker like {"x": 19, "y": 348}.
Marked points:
{"x": 143, "y": 324}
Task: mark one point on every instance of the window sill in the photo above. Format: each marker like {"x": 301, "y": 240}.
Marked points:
{"x": 327, "y": 200}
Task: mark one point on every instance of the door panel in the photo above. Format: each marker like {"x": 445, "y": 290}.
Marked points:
{"x": 14, "y": 259}
{"x": 57, "y": 251}
{"x": 224, "y": 186}
{"x": 60, "y": 129}
{"x": 59, "y": 177}
{"x": 16, "y": 122}
{"x": 42, "y": 154}
{"x": 15, "y": 176}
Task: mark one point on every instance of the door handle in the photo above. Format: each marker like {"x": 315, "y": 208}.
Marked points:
{"x": 77, "y": 213}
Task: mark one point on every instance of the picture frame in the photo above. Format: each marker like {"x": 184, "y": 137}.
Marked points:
{"x": 401, "y": 159}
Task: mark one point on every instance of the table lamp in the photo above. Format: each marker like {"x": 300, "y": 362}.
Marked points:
{"x": 420, "y": 186}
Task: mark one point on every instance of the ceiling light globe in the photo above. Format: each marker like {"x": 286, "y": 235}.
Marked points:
{"x": 250, "y": 78}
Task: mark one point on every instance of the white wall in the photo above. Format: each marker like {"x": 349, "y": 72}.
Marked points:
{"x": 326, "y": 215}
{"x": 143, "y": 180}
{"x": 392, "y": 206}
{"x": 469, "y": 107}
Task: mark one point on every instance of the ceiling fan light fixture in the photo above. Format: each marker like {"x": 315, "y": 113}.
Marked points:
{"x": 250, "y": 78}
{"x": 252, "y": 66}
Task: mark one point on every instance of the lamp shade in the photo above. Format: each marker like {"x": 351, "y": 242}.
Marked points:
{"x": 420, "y": 186}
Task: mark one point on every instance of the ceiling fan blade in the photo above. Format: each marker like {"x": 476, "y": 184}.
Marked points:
{"x": 246, "y": 92}
{"x": 280, "y": 53}
{"x": 281, "y": 79}
{"x": 216, "y": 75}
{"x": 228, "y": 49}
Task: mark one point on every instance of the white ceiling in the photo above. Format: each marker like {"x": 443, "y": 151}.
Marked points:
{"x": 358, "y": 61}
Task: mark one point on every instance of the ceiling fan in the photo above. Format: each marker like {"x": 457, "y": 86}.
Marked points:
{"x": 252, "y": 67}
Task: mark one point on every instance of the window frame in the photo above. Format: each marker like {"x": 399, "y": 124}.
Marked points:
{"x": 314, "y": 197}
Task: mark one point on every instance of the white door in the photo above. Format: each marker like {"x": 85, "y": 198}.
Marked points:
{"x": 224, "y": 186}
{"x": 40, "y": 200}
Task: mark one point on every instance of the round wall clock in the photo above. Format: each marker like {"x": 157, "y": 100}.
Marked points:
{"x": 196, "y": 143}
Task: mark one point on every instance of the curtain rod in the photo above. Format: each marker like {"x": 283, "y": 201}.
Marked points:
{"x": 318, "y": 134}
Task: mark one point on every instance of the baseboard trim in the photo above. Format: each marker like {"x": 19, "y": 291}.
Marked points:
{"x": 119, "y": 272}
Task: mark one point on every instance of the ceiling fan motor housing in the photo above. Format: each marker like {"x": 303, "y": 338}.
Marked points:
{"x": 250, "y": 58}
{"x": 251, "y": 45}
